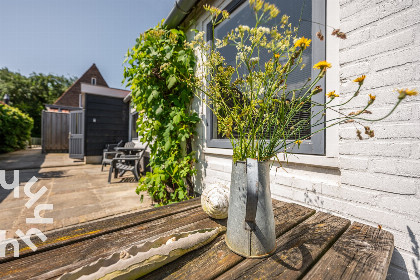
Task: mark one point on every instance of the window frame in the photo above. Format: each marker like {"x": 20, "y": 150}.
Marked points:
{"x": 131, "y": 136}
{"x": 317, "y": 144}
{"x": 93, "y": 81}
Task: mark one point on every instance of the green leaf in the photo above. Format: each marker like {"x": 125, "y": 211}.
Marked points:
{"x": 177, "y": 119}
{"x": 168, "y": 145}
{"x": 153, "y": 95}
{"x": 171, "y": 81}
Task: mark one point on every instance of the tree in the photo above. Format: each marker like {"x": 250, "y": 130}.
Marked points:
{"x": 30, "y": 94}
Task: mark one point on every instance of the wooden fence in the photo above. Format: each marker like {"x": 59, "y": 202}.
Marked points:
{"x": 55, "y": 132}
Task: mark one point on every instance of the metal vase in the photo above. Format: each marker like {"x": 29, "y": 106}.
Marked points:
{"x": 250, "y": 226}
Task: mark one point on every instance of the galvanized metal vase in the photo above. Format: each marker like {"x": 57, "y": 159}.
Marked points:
{"x": 250, "y": 226}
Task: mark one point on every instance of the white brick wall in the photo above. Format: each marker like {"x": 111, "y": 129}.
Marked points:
{"x": 387, "y": 167}
{"x": 376, "y": 181}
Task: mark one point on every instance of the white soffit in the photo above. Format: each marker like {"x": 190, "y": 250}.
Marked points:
{"x": 104, "y": 91}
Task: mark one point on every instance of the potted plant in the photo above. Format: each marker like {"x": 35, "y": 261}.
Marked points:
{"x": 260, "y": 114}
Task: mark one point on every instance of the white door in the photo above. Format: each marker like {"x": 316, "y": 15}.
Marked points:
{"x": 76, "y": 139}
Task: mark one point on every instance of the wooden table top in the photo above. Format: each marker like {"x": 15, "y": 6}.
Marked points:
{"x": 310, "y": 245}
{"x": 128, "y": 149}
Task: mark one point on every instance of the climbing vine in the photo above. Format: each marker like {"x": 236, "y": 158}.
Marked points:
{"x": 166, "y": 122}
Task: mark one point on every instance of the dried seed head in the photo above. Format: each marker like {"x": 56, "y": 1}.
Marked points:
{"x": 320, "y": 36}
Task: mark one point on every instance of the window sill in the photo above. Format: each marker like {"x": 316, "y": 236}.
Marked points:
{"x": 319, "y": 161}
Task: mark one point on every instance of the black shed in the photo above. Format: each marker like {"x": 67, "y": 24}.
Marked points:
{"x": 104, "y": 119}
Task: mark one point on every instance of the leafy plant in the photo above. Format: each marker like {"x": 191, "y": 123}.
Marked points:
{"x": 163, "y": 101}
{"x": 254, "y": 106}
{"x": 31, "y": 93}
{"x": 15, "y": 128}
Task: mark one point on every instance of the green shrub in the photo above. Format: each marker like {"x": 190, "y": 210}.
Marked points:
{"x": 15, "y": 128}
{"x": 155, "y": 66}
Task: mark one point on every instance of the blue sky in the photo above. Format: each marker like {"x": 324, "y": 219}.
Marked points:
{"x": 65, "y": 37}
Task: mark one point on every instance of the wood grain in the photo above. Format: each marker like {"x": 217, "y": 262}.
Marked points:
{"x": 216, "y": 258}
{"x": 303, "y": 241}
{"x": 362, "y": 252}
{"x": 72, "y": 256}
{"x": 297, "y": 250}
{"x": 88, "y": 230}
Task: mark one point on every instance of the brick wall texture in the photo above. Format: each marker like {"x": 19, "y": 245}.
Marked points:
{"x": 71, "y": 96}
{"x": 383, "y": 43}
{"x": 377, "y": 180}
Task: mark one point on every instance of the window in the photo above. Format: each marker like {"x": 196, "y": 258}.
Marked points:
{"x": 133, "y": 126}
{"x": 313, "y": 20}
{"x": 93, "y": 81}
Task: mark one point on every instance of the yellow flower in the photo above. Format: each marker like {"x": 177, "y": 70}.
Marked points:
{"x": 371, "y": 99}
{"x": 322, "y": 64}
{"x": 274, "y": 12}
{"x": 405, "y": 91}
{"x": 332, "y": 94}
{"x": 298, "y": 142}
{"x": 303, "y": 43}
{"x": 276, "y": 55}
{"x": 360, "y": 79}
{"x": 225, "y": 14}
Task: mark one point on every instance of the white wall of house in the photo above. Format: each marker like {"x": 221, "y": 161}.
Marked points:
{"x": 375, "y": 181}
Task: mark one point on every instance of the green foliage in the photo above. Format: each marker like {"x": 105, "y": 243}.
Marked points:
{"x": 165, "y": 120}
{"x": 29, "y": 94}
{"x": 256, "y": 106}
{"x": 15, "y": 128}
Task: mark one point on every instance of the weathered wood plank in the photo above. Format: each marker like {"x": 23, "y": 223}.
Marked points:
{"x": 296, "y": 252}
{"x": 362, "y": 252}
{"x": 84, "y": 231}
{"x": 214, "y": 259}
{"x": 77, "y": 254}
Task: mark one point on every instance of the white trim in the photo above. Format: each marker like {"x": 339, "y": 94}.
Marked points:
{"x": 332, "y": 81}
{"x": 93, "y": 81}
{"x": 324, "y": 161}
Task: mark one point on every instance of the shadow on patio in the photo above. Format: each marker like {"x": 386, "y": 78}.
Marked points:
{"x": 77, "y": 191}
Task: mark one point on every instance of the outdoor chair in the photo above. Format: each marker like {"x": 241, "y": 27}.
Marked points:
{"x": 122, "y": 163}
{"x": 109, "y": 153}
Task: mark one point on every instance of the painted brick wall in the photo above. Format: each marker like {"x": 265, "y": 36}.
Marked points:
{"x": 384, "y": 43}
{"x": 376, "y": 181}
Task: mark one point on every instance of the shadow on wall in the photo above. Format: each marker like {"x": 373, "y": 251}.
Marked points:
{"x": 416, "y": 251}
{"x": 201, "y": 166}
{"x": 316, "y": 201}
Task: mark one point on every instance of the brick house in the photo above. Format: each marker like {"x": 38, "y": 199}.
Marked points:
{"x": 70, "y": 99}
{"x": 375, "y": 181}
{"x": 99, "y": 114}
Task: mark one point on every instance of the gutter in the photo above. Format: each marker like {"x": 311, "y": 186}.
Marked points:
{"x": 127, "y": 98}
{"x": 179, "y": 12}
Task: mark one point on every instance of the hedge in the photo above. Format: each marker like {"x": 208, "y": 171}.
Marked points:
{"x": 15, "y": 128}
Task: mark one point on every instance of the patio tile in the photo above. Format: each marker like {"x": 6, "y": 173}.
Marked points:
{"x": 78, "y": 192}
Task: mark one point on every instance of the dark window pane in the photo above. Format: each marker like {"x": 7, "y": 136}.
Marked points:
{"x": 244, "y": 15}
{"x": 134, "y": 118}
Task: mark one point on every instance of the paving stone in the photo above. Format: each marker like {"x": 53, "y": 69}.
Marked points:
{"x": 78, "y": 192}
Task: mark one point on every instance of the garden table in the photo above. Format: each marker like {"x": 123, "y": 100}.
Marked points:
{"x": 310, "y": 245}
{"x": 128, "y": 150}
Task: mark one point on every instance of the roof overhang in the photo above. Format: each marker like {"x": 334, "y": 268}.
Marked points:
{"x": 104, "y": 91}
{"x": 62, "y": 107}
